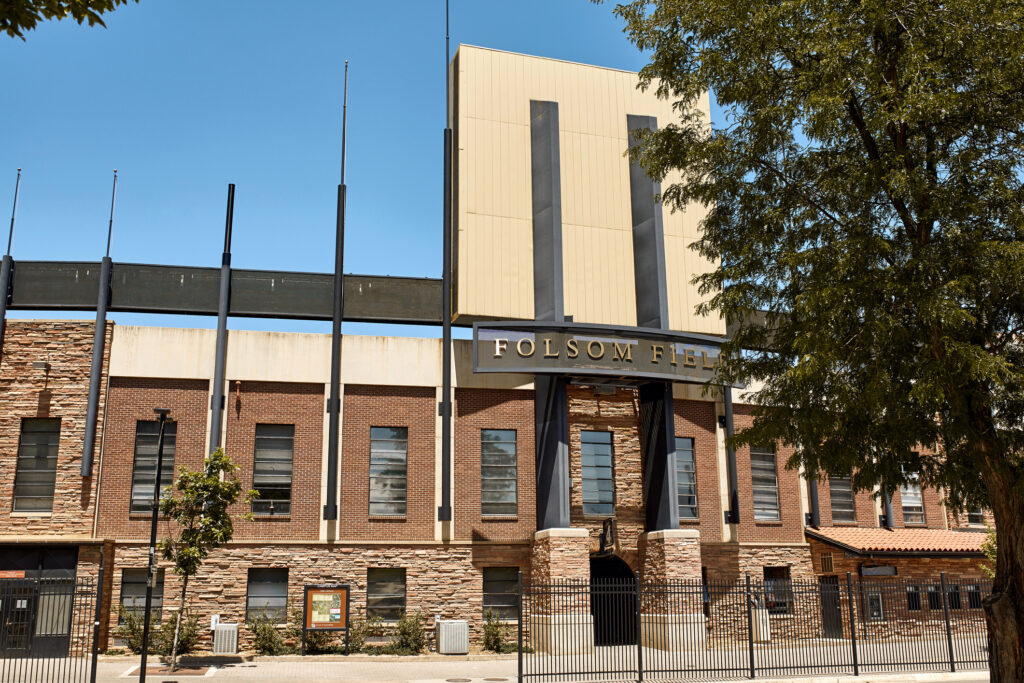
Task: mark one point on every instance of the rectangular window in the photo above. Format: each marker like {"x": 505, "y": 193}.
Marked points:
{"x": 778, "y": 591}
{"x": 913, "y": 504}
{"x": 973, "y": 596}
{"x": 35, "y": 476}
{"x": 764, "y": 476}
{"x": 876, "y": 611}
{"x": 500, "y": 585}
{"x": 385, "y": 593}
{"x": 388, "y": 467}
{"x": 953, "y": 597}
{"x": 913, "y": 598}
{"x": 686, "y": 478}
{"x": 272, "y": 469}
{"x": 147, "y": 434}
{"x": 133, "y": 594}
{"x": 498, "y": 473}
{"x": 934, "y": 597}
{"x": 267, "y": 595}
{"x": 976, "y": 517}
{"x": 827, "y": 565}
{"x": 598, "y": 487}
{"x": 841, "y": 491}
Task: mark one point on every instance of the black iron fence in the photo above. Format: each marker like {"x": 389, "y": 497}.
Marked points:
{"x": 47, "y": 630}
{"x": 629, "y": 630}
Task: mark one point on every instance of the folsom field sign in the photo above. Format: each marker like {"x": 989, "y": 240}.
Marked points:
{"x": 551, "y": 348}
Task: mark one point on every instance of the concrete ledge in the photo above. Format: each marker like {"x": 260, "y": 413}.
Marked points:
{"x": 673, "y": 533}
{"x": 562, "y": 634}
{"x": 573, "y": 532}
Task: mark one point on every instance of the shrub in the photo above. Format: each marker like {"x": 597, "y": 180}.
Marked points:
{"x": 362, "y": 628}
{"x": 265, "y": 636}
{"x": 317, "y": 642}
{"x": 408, "y": 636}
{"x": 161, "y": 633}
{"x": 497, "y": 636}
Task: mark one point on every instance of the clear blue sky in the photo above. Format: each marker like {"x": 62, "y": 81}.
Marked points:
{"x": 186, "y": 96}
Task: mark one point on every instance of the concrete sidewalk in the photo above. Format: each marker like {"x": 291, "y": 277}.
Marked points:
{"x": 463, "y": 670}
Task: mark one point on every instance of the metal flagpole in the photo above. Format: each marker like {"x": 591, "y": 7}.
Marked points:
{"x": 8, "y": 265}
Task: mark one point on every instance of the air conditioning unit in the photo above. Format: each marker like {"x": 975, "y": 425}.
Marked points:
{"x": 452, "y": 637}
{"x": 225, "y": 639}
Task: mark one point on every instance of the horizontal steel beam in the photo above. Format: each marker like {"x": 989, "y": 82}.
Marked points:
{"x": 142, "y": 288}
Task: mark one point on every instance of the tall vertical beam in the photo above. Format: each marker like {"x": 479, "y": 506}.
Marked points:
{"x": 732, "y": 515}
{"x": 223, "y": 305}
{"x": 551, "y": 408}
{"x": 99, "y": 338}
{"x": 657, "y": 414}
{"x": 444, "y": 510}
{"x": 7, "y": 267}
{"x": 812, "y": 490}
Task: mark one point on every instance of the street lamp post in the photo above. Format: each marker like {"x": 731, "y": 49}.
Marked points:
{"x": 162, "y": 414}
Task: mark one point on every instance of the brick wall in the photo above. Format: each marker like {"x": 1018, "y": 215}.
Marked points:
{"x": 697, "y": 420}
{"x": 910, "y": 568}
{"x": 934, "y": 510}
{"x": 301, "y": 405}
{"x": 132, "y": 399}
{"x": 60, "y": 392}
{"x": 789, "y": 528}
{"x": 477, "y": 409}
{"x": 386, "y": 406}
{"x": 959, "y": 520}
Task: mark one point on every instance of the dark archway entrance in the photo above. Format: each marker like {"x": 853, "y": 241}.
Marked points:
{"x": 612, "y": 600}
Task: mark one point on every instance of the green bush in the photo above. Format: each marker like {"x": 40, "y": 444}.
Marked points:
{"x": 408, "y": 635}
{"x": 361, "y": 628}
{"x": 498, "y": 636}
{"x": 265, "y": 636}
{"x": 317, "y": 642}
{"x": 161, "y": 633}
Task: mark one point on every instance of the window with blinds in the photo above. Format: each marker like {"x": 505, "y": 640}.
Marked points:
{"x": 912, "y": 502}
{"x": 765, "y": 480}
{"x": 267, "y": 595}
{"x": 385, "y": 593}
{"x": 272, "y": 469}
{"x": 388, "y": 469}
{"x": 686, "y": 478}
{"x": 598, "y": 487}
{"x": 498, "y": 472}
{"x": 35, "y": 475}
{"x": 500, "y": 597}
{"x": 841, "y": 491}
{"x": 133, "y": 594}
{"x": 147, "y": 434}
{"x": 976, "y": 517}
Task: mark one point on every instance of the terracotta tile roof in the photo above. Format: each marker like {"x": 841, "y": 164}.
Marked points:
{"x": 862, "y": 540}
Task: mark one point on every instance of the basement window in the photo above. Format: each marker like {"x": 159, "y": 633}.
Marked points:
{"x": 267, "y": 595}
{"x": 385, "y": 593}
{"x": 778, "y": 590}
{"x": 133, "y": 594}
{"x": 500, "y": 597}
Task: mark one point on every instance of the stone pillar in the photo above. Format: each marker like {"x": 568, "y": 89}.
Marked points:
{"x": 672, "y": 603}
{"x": 557, "y": 603}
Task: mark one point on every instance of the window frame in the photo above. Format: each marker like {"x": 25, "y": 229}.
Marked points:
{"x": 915, "y": 490}
{"x": 762, "y": 452}
{"x": 167, "y": 471}
{"x": 778, "y": 591}
{"x": 485, "y": 479}
{"x": 914, "y": 603}
{"x": 400, "y": 599}
{"x": 156, "y": 607}
{"x": 266, "y": 609}
{"x": 610, "y": 504}
{"x": 401, "y": 505}
{"x": 46, "y": 477}
{"x": 692, "y": 484}
{"x": 257, "y": 504}
{"x": 503, "y": 612}
{"x": 869, "y": 597}
{"x": 846, "y": 484}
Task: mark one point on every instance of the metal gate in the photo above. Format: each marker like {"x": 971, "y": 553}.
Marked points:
{"x": 47, "y": 630}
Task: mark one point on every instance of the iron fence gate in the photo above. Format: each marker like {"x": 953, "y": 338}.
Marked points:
{"x": 628, "y": 630}
{"x": 47, "y": 630}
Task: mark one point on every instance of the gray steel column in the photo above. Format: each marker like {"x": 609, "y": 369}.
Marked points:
{"x": 890, "y": 520}
{"x": 223, "y": 305}
{"x": 732, "y": 515}
{"x": 8, "y": 265}
{"x": 551, "y": 409}
{"x": 99, "y": 338}
{"x": 657, "y": 413}
{"x": 812, "y": 488}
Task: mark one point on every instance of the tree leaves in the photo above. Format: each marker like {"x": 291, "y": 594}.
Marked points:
{"x": 19, "y": 16}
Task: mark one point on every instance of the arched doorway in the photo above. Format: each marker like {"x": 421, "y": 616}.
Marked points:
{"x": 612, "y": 600}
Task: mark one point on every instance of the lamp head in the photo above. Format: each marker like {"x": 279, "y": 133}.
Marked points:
{"x": 162, "y": 413}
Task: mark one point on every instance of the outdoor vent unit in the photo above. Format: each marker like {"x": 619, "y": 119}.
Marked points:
{"x": 452, "y": 637}
{"x": 225, "y": 639}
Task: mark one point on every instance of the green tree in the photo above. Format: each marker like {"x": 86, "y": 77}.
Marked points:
{"x": 864, "y": 190}
{"x": 19, "y": 16}
{"x": 197, "y": 512}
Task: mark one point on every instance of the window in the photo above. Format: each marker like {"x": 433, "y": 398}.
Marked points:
{"x": 272, "y": 469}
{"x": 841, "y": 491}
{"x": 876, "y": 612}
{"x": 388, "y": 453}
{"x": 912, "y": 502}
{"x": 36, "y": 471}
{"x": 598, "y": 490}
{"x": 827, "y": 565}
{"x": 147, "y": 433}
{"x": 778, "y": 591}
{"x": 498, "y": 472}
{"x": 385, "y": 593}
{"x": 913, "y": 598}
{"x": 133, "y": 594}
{"x": 500, "y": 585}
{"x": 976, "y": 517}
{"x": 973, "y": 596}
{"x": 953, "y": 597}
{"x": 934, "y": 597}
{"x": 267, "y": 595}
{"x": 765, "y": 482}
{"x": 686, "y": 479}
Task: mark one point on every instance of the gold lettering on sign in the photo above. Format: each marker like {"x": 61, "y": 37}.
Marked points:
{"x": 623, "y": 352}
{"x": 595, "y": 354}
{"x": 519, "y": 347}
{"x": 656, "y": 351}
{"x": 499, "y": 347}
{"x": 672, "y": 348}
{"x": 548, "y": 353}
{"x": 704, "y": 357}
{"x": 689, "y": 358}
{"x": 573, "y": 347}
